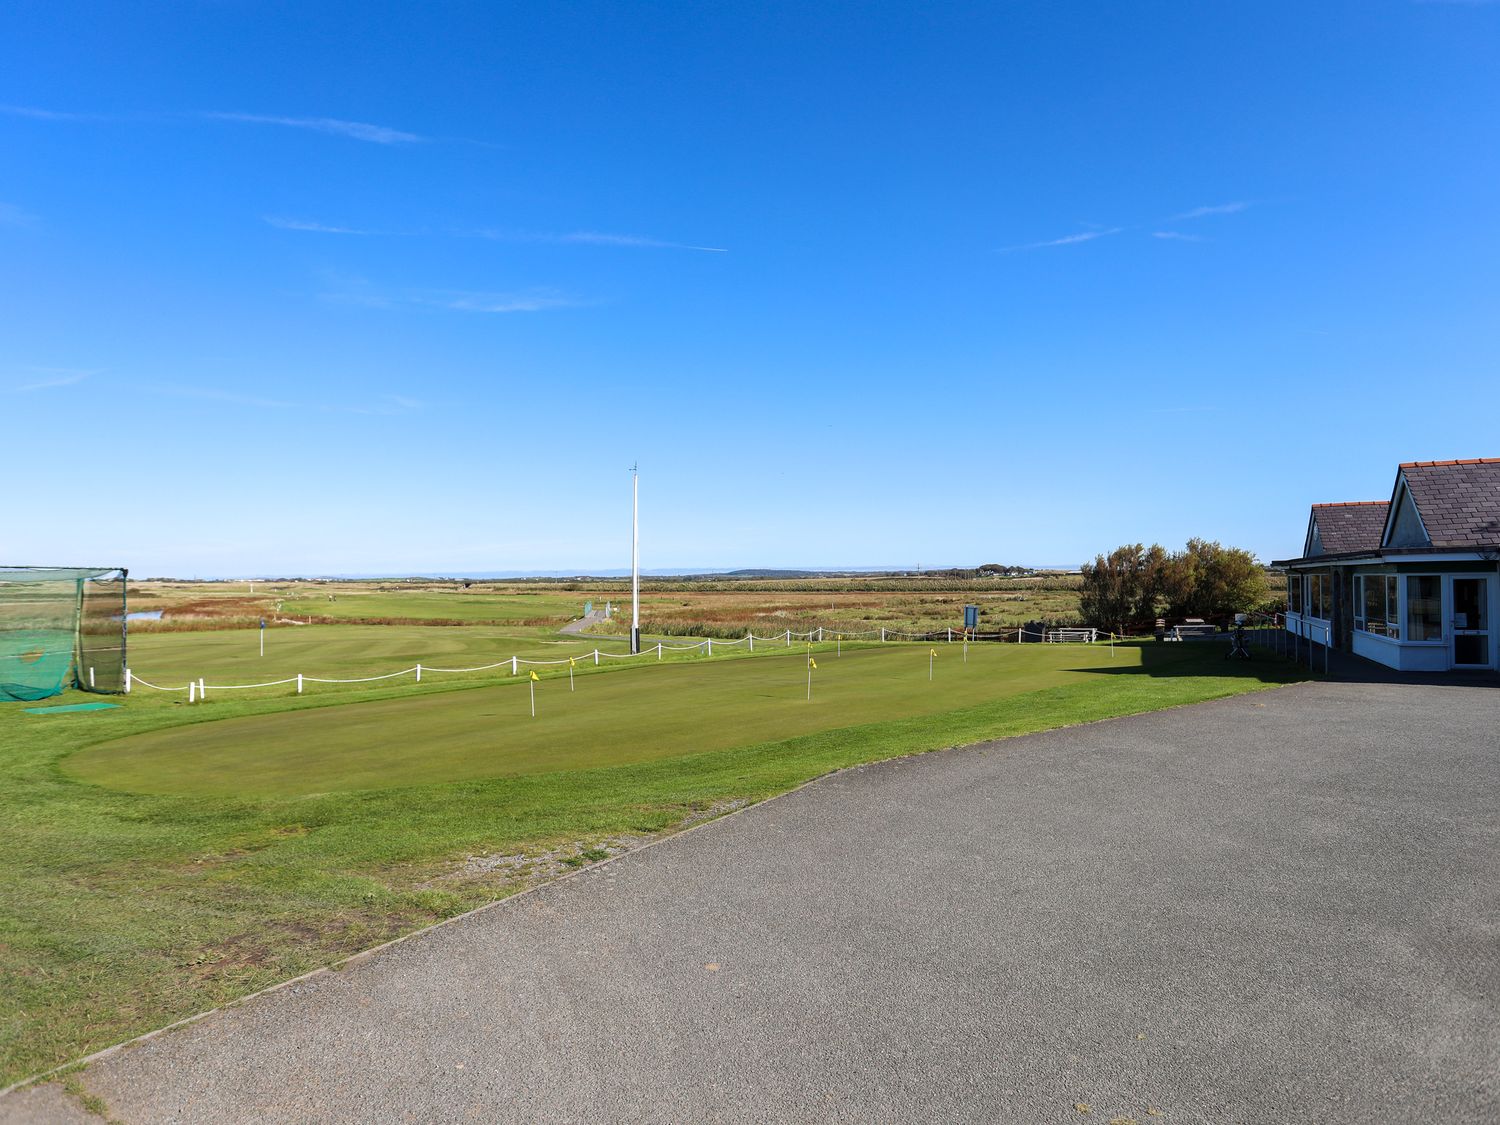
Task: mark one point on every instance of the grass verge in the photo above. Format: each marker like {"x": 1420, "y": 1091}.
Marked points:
{"x": 120, "y": 912}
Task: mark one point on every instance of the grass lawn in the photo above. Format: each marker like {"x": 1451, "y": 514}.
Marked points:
{"x": 159, "y": 859}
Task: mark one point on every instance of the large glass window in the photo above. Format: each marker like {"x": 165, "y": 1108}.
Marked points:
{"x": 1375, "y": 604}
{"x": 1294, "y": 593}
{"x": 1424, "y": 607}
{"x": 1319, "y": 596}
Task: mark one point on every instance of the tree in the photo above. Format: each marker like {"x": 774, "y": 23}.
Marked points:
{"x": 1225, "y": 579}
{"x": 1135, "y": 584}
{"x": 1114, "y": 586}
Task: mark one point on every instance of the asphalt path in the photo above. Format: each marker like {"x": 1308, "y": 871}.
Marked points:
{"x": 1280, "y": 907}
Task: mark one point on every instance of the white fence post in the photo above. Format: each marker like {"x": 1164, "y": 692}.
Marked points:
{"x": 202, "y": 689}
{"x": 192, "y": 691}
{"x": 127, "y": 681}
{"x": 515, "y": 668}
{"x": 882, "y": 634}
{"x": 419, "y": 672}
{"x": 710, "y": 646}
{"x": 950, "y": 635}
{"x": 299, "y": 683}
{"x": 658, "y": 650}
{"x": 596, "y": 658}
{"x": 788, "y": 638}
{"x": 751, "y": 638}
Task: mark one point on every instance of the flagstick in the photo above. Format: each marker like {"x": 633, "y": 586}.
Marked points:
{"x": 533, "y": 699}
{"x": 931, "y": 656}
{"x": 570, "y": 675}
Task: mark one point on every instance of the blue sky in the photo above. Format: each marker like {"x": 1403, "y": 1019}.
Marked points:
{"x": 380, "y": 288}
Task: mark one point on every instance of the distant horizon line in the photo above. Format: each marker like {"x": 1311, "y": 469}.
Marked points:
{"x": 619, "y": 572}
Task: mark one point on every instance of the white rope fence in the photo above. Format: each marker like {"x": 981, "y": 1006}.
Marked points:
{"x": 198, "y": 689}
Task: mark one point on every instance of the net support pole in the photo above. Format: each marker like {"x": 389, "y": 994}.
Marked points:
{"x": 127, "y": 681}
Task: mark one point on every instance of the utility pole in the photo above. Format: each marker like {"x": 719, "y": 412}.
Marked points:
{"x": 635, "y": 559}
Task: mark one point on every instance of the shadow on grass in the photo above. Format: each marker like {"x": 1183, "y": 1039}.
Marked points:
{"x": 1206, "y": 658}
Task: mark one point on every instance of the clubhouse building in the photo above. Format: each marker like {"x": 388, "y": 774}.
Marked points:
{"x": 1412, "y": 582}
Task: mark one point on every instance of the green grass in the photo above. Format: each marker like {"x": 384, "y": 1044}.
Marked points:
{"x": 433, "y": 605}
{"x": 232, "y": 656}
{"x": 609, "y": 721}
{"x": 121, "y": 911}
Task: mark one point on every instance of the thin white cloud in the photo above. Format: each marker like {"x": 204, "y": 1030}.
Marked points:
{"x": 13, "y": 216}
{"x": 38, "y": 114}
{"x": 54, "y": 377}
{"x": 385, "y": 404}
{"x": 1176, "y": 236}
{"x": 306, "y": 225}
{"x": 1066, "y": 240}
{"x": 590, "y": 238}
{"x": 534, "y": 301}
{"x": 1216, "y": 209}
{"x": 596, "y": 238}
{"x": 357, "y": 130}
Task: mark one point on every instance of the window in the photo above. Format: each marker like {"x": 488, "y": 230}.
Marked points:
{"x": 1319, "y": 596}
{"x": 1294, "y": 593}
{"x": 1424, "y": 607}
{"x": 1375, "y": 604}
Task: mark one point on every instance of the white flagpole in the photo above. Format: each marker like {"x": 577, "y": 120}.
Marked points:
{"x": 635, "y": 560}
{"x": 533, "y": 697}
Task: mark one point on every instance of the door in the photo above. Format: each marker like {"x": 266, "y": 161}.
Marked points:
{"x": 1471, "y": 623}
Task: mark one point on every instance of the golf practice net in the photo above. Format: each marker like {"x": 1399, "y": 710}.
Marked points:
{"x": 61, "y": 627}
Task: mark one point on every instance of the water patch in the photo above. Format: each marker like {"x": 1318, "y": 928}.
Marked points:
{"x": 144, "y": 615}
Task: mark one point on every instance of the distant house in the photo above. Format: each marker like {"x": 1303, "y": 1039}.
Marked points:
{"x": 1411, "y": 582}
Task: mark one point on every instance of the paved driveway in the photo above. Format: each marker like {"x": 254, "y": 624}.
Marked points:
{"x": 1283, "y": 907}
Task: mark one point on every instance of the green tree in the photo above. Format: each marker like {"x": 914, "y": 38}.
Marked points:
{"x": 1225, "y": 579}
{"x": 1114, "y": 587}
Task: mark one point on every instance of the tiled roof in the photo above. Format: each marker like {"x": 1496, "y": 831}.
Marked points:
{"x": 1355, "y": 525}
{"x": 1459, "y": 501}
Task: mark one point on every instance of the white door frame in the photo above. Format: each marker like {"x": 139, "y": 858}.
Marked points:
{"x": 1451, "y": 628}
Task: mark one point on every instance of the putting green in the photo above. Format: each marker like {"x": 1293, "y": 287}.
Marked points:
{"x": 624, "y": 717}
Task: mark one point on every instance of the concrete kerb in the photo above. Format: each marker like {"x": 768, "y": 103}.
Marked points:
{"x": 353, "y": 960}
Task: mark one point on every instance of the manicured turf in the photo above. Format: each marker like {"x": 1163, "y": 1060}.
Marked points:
{"x": 121, "y": 911}
{"x": 467, "y": 605}
{"x": 613, "y": 720}
{"x": 232, "y": 656}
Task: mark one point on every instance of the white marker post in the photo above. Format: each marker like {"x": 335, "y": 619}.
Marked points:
{"x": 931, "y": 659}
{"x": 966, "y": 646}
{"x": 262, "y": 636}
{"x": 570, "y": 673}
{"x": 533, "y": 694}
{"x": 811, "y": 664}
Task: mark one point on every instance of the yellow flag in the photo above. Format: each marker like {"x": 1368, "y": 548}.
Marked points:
{"x": 932, "y": 652}
{"x": 570, "y": 663}
{"x": 535, "y": 677}
{"x": 811, "y": 663}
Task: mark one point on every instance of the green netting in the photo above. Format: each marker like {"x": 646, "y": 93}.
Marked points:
{"x": 61, "y": 627}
